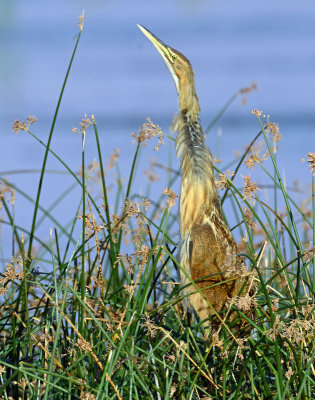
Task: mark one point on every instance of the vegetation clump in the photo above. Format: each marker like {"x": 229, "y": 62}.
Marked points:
{"x": 97, "y": 311}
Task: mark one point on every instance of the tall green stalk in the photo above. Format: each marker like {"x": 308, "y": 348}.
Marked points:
{"x": 82, "y": 276}
{"x": 29, "y": 253}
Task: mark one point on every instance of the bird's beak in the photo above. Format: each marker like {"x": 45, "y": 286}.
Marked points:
{"x": 163, "y": 49}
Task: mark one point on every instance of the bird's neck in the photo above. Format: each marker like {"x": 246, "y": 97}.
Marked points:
{"x": 188, "y": 101}
{"x": 198, "y": 196}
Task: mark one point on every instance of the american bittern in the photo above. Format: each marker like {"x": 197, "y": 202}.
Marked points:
{"x": 207, "y": 250}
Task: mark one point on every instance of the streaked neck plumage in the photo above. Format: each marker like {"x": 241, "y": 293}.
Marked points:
{"x": 198, "y": 196}
{"x": 188, "y": 99}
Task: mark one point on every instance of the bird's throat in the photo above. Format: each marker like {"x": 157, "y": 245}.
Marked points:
{"x": 188, "y": 101}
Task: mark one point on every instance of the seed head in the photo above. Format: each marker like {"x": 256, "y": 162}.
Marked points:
{"x": 81, "y": 21}
{"x": 256, "y": 112}
{"x": 22, "y": 125}
{"x": 222, "y": 182}
{"x": 249, "y": 188}
{"x": 311, "y": 161}
{"x": 171, "y": 196}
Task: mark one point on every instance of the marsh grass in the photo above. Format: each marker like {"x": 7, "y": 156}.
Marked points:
{"x": 108, "y": 321}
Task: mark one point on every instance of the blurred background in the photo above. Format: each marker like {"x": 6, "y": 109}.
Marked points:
{"x": 118, "y": 76}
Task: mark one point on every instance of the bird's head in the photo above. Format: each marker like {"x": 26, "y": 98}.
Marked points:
{"x": 180, "y": 69}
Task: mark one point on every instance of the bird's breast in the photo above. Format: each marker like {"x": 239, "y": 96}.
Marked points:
{"x": 197, "y": 199}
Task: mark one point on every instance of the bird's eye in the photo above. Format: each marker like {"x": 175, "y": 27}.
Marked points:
{"x": 173, "y": 55}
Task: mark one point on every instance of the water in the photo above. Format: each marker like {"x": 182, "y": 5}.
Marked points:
{"x": 118, "y": 76}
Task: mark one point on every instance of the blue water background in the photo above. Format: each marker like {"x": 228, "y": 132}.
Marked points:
{"x": 119, "y": 77}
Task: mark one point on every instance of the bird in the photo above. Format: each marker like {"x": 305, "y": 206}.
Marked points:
{"x": 211, "y": 270}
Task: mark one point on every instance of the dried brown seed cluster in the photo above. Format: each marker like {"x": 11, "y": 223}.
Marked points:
{"x": 297, "y": 331}
{"x": 84, "y": 124}
{"x": 273, "y": 128}
{"x": 309, "y": 252}
{"x": 249, "y": 218}
{"x": 113, "y": 159}
{"x": 246, "y": 90}
{"x": 147, "y": 132}
{"x": 14, "y": 271}
{"x": 4, "y": 189}
{"x": 245, "y": 303}
{"x": 22, "y": 125}
{"x": 81, "y": 21}
{"x": 91, "y": 227}
{"x": 222, "y": 182}
{"x": 249, "y": 88}
{"x": 87, "y": 396}
{"x": 22, "y": 383}
{"x": 171, "y": 196}
{"x": 216, "y": 160}
{"x": 255, "y": 157}
{"x": 256, "y": 112}
{"x": 249, "y": 188}
{"x": 311, "y": 161}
